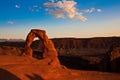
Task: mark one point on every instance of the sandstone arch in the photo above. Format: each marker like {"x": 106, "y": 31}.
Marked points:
{"x": 49, "y": 49}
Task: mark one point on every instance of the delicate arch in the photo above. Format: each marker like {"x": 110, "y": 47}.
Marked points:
{"x": 49, "y": 49}
{"x": 41, "y": 34}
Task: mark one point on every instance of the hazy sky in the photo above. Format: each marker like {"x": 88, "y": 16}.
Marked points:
{"x": 60, "y": 18}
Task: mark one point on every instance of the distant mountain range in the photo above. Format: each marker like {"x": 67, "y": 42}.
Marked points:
{"x": 12, "y": 40}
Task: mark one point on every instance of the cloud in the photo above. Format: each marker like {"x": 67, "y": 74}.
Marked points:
{"x": 17, "y": 6}
{"x": 35, "y": 8}
{"x": 99, "y": 10}
{"x": 50, "y": 4}
{"x": 91, "y": 10}
{"x": 10, "y": 22}
{"x": 81, "y": 18}
{"x": 57, "y": 13}
{"x": 64, "y": 9}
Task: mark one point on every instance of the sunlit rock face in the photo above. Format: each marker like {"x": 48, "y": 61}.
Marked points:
{"x": 49, "y": 50}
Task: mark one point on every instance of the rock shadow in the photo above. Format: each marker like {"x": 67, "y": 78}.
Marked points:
{"x": 35, "y": 77}
{"x": 6, "y": 75}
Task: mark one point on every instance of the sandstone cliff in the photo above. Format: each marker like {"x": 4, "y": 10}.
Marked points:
{"x": 74, "y": 46}
{"x": 82, "y": 46}
{"x": 100, "y": 42}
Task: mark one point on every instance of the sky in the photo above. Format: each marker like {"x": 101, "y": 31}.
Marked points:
{"x": 60, "y": 18}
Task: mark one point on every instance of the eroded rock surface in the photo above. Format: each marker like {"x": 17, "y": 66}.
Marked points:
{"x": 9, "y": 50}
{"x": 49, "y": 49}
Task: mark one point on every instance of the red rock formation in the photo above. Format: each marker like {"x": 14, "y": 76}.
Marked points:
{"x": 49, "y": 49}
{"x": 115, "y": 59}
{"x": 79, "y": 43}
{"x": 115, "y": 53}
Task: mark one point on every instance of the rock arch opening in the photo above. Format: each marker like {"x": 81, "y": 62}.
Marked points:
{"x": 38, "y": 48}
{"x": 40, "y": 34}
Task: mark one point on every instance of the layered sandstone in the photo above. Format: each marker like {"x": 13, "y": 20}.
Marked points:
{"x": 81, "y": 43}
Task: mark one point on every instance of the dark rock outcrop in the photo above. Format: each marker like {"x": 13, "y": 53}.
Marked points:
{"x": 115, "y": 58}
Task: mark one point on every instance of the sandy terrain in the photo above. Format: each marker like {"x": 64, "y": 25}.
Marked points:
{"x": 25, "y": 68}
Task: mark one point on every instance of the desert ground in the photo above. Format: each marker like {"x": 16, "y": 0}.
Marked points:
{"x": 25, "y": 68}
